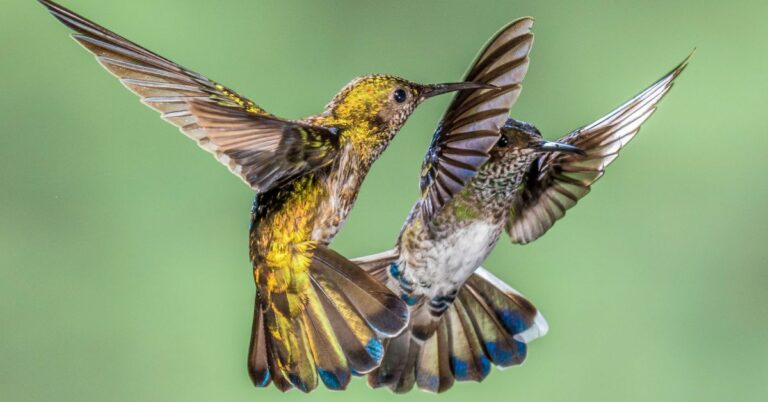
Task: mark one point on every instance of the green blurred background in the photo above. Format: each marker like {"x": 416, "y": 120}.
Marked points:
{"x": 124, "y": 273}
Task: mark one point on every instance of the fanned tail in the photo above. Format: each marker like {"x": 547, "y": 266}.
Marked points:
{"x": 331, "y": 330}
{"x": 488, "y": 323}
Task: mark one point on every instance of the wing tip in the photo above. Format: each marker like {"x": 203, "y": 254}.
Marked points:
{"x": 672, "y": 75}
{"x": 683, "y": 64}
{"x": 64, "y": 15}
{"x": 688, "y": 58}
{"x": 49, "y": 4}
{"x": 525, "y": 20}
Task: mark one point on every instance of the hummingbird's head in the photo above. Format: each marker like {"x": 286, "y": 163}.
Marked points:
{"x": 521, "y": 140}
{"x": 373, "y": 108}
{"x": 519, "y": 145}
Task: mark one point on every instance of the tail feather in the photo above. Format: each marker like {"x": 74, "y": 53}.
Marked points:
{"x": 500, "y": 346}
{"x": 468, "y": 359}
{"x": 328, "y": 354}
{"x": 292, "y": 353}
{"x": 424, "y": 322}
{"x": 383, "y": 311}
{"x": 488, "y": 322}
{"x": 391, "y": 369}
{"x": 258, "y": 366}
{"x": 303, "y": 373}
{"x": 360, "y": 342}
{"x": 512, "y": 309}
{"x": 407, "y": 376}
{"x": 433, "y": 372}
{"x": 323, "y": 327}
{"x": 276, "y": 371}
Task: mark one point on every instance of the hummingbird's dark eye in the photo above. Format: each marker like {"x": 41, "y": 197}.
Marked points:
{"x": 503, "y": 141}
{"x": 400, "y": 95}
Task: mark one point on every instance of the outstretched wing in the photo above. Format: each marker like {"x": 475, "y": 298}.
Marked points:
{"x": 264, "y": 151}
{"x": 256, "y": 146}
{"x": 556, "y": 181}
{"x": 470, "y": 126}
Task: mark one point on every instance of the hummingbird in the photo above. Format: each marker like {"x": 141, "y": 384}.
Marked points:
{"x": 317, "y": 316}
{"x": 464, "y": 319}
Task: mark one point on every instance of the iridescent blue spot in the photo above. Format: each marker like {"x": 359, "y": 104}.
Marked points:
{"x": 409, "y": 300}
{"x": 522, "y": 351}
{"x": 499, "y": 355}
{"x": 330, "y": 379}
{"x": 485, "y": 366}
{"x": 265, "y": 380}
{"x": 298, "y": 382}
{"x": 394, "y": 270}
{"x": 513, "y": 321}
{"x": 375, "y": 349}
{"x": 506, "y": 354}
{"x": 460, "y": 368}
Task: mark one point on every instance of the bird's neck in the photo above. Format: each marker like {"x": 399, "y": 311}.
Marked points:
{"x": 498, "y": 181}
{"x": 488, "y": 197}
{"x": 368, "y": 136}
{"x": 342, "y": 182}
{"x": 361, "y": 144}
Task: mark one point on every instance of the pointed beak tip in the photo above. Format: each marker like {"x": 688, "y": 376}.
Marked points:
{"x": 551, "y": 146}
{"x": 439, "y": 89}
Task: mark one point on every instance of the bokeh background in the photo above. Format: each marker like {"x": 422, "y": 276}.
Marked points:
{"x": 124, "y": 273}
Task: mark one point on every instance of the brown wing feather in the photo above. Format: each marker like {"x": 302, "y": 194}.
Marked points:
{"x": 470, "y": 126}
{"x": 172, "y": 90}
{"x": 556, "y": 181}
{"x": 264, "y": 151}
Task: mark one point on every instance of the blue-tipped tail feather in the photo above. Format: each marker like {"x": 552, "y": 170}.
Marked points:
{"x": 488, "y": 323}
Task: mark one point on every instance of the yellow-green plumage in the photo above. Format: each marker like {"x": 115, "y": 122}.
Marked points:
{"x": 317, "y": 317}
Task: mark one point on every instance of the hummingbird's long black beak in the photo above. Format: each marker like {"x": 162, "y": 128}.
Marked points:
{"x": 428, "y": 91}
{"x": 551, "y": 146}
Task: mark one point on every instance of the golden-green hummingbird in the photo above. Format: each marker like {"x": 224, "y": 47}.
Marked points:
{"x": 463, "y": 319}
{"x": 317, "y": 316}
